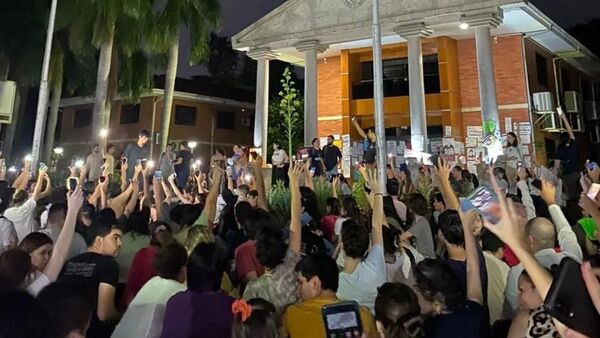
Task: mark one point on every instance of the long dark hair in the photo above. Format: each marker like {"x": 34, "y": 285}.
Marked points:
{"x": 397, "y": 309}
{"x": 262, "y": 321}
{"x": 514, "y": 143}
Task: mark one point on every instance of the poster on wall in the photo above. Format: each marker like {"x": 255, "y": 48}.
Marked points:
{"x": 347, "y": 154}
{"x": 470, "y": 142}
{"x": 392, "y": 148}
{"x": 525, "y": 138}
{"x": 474, "y": 131}
{"x": 508, "y": 125}
{"x": 447, "y": 131}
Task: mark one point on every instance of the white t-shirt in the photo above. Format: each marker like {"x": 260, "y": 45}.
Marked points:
{"x": 145, "y": 315}
{"x": 22, "y": 218}
{"x": 40, "y": 282}
{"x": 8, "y": 235}
{"x": 77, "y": 247}
{"x": 361, "y": 285}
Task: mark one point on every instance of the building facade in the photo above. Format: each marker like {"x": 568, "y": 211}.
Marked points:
{"x": 447, "y": 65}
{"x": 211, "y": 122}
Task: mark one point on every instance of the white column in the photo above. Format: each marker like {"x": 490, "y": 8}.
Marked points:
{"x": 261, "y": 113}
{"x": 481, "y": 24}
{"x": 310, "y": 49}
{"x": 416, "y": 84}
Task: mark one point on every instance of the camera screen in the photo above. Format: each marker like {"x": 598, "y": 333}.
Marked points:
{"x": 342, "y": 320}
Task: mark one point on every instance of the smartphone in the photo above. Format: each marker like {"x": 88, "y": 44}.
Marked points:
{"x": 342, "y": 320}
{"x": 72, "y": 183}
{"x": 124, "y": 160}
{"x": 568, "y": 300}
{"x": 43, "y": 166}
{"x": 592, "y": 166}
{"x": 486, "y": 203}
{"x": 102, "y": 179}
{"x": 434, "y": 159}
{"x": 158, "y": 174}
{"x": 593, "y": 191}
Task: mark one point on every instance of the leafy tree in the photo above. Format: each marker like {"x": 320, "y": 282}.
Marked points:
{"x": 286, "y": 122}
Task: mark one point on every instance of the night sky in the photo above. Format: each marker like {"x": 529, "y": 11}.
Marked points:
{"x": 238, "y": 14}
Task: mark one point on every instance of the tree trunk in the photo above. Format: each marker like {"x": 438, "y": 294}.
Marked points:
{"x": 169, "y": 89}
{"x": 52, "y": 118}
{"x": 104, "y": 62}
{"x": 112, "y": 91}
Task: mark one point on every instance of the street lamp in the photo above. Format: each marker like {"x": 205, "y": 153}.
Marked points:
{"x": 103, "y": 133}
{"x": 58, "y": 151}
{"x": 377, "y": 86}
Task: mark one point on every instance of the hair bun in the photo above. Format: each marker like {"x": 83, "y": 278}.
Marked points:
{"x": 413, "y": 324}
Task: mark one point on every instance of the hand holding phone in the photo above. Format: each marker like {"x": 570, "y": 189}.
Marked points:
{"x": 486, "y": 203}
{"x": 72, "y": 183}
{"x": 342, "y": 320}
{"x": 593, "y": 191}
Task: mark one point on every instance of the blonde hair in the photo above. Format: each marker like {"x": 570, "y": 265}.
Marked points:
{"x": 198, "y": 234}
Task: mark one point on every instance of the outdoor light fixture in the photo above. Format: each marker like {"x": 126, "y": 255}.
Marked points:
{"x": 28, "y": 157}
{"x": 12, "y": 169}
{"x": 198, "y": 162}
{"x": 463, "y": 26}
{"x": 194, "y": 166}
{"x": 78, "y": 163}
{"x": 103, "y": 133}
{"x": 192, "y": 144}
{"x": 59, "y": 151}
{"x": 150, "y": 164}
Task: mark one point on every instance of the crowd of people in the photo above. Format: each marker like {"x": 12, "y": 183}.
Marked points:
{"x": 170, "y": 251}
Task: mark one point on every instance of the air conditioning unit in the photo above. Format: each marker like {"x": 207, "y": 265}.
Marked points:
{"x": 594, "y": 134}
{"x": 245, "y": 122}
{"x": 8, "y": 92}
{"x": 547, "y": 122}
{"x": 576, "y": 122}
{"x": 543, "y": 102}
{"x": 572, "y": 102}
{"x": 591, "y": 110}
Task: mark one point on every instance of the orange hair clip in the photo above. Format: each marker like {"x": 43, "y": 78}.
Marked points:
{"x": 241, "y": 307}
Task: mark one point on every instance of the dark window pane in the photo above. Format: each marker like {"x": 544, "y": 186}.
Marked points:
{"x": 130, "y": 114}
{"x": 185, "y": 115}
{"x": 82, "y": 118}
{"x": 395, "y": 78}
{"x": 541, "y": 67}
{"x": 225, "y": 120}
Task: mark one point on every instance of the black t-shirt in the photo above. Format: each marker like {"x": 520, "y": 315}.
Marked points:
{"x": 316, "y": 156}
{"x": 468, "y": 322}
{"x": 186, "y": 155}
{"x": 91, "y": 269}
{"x": 567, "y": 154}
{"x": 370, "y": 152}
{"x": 332, "y": 153}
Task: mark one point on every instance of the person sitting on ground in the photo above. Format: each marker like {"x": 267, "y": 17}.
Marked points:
{"x": 328, "y": 221}
{"x": 39, "y": 247}
{"x": 254, "y": 318}
{"x": 361, "y": 276}
{"x": 318, "y": 284}
{"x": 145, "y": 314}
{"x": 201, "y": 310}
{"x": 419, "y": 228}
{"x": 142, "y": 267}
{"x": 497, "y": 271}
{"x": 56, "y": 221}
{"x": 400, "y": 258}
{"x": 277, "y": 285}
{"x": 98, "y": 268}
{"x": 68, "y": 309}
{"x": 397, "y": 312}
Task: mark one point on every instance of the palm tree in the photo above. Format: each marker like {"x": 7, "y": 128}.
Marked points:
{"x": 201, "y": 17}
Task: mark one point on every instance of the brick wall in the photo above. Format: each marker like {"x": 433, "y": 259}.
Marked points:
{"x": 329, "y": 101}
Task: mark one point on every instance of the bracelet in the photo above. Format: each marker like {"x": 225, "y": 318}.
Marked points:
{"x": 378, "y": 194}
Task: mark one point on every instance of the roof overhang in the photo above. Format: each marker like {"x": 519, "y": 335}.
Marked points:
{"x": 339, "y": 27}
{"x": 81, "y": 100}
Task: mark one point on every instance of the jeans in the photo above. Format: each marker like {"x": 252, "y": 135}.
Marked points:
{"x": 332, "y": 172}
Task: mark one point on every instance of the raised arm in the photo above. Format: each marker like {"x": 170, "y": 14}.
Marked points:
{"x": 378, "y": 216}
{"x": 158, "y": 196}
{"x": 308, "y": 177}
{"x": 443, "y": 173}
{"x": 176, "y": 190}
{"x": 213, "y": 194}
{"x": 358, "y": 128}
{"x": 525, "y": 195}
{"x": 474, "y": 289}
{"x": 124, "y": 176}
{"x": 37, "y": 192}
{"x": 294, "y": 173}
{"x": 63, "y": 243}
{"x": 260, "y": 183}
{"x": 146, "y": 186}
{"x": 566, "y": 236}
{"x": 20, "y": 182}
{"x": 565, "y": 120}
{"x": 103, "y": 188}
{"x": 129, "y": 208}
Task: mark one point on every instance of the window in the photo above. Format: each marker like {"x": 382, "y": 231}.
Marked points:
{"x": 130, "y": 114}
{"x": 395, "y": 78}
{"x": 82, "y": 118}
{"x": 185, "y": 115}
{"x": 225, "y": 120}
{"x": 541, "y": 66}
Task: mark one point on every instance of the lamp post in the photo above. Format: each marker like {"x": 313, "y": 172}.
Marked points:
{"x": 58, "y": 152}
{"x": 42, "y": 105}
{"x": 192, "y": 145}
{"x": 377, "y": 86}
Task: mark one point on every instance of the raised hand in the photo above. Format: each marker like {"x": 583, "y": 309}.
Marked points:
{"x": 508, "y": 228}
{"x": 443, "y": 168}
{"x": 587, "y": 204}
{"x": 217, "y": 173}
{"x": 295, "y": 171}
{"x": 75, "y": 199}
{"x": 548, "y": 192}
{"x": 372, "y": 180}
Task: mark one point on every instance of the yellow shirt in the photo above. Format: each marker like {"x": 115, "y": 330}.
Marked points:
{"x": 109, "y": 166}
{"x": 304, "y": 320}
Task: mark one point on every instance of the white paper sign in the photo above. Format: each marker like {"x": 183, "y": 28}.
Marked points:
{"x": 447, "y": 131}
{"x": 525, "y": 138}
{"x": 474, "y": 131}
{"x": 470, "y": 142}
{"x": 392, "y": 148}
{"x": 508, "y": 125}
